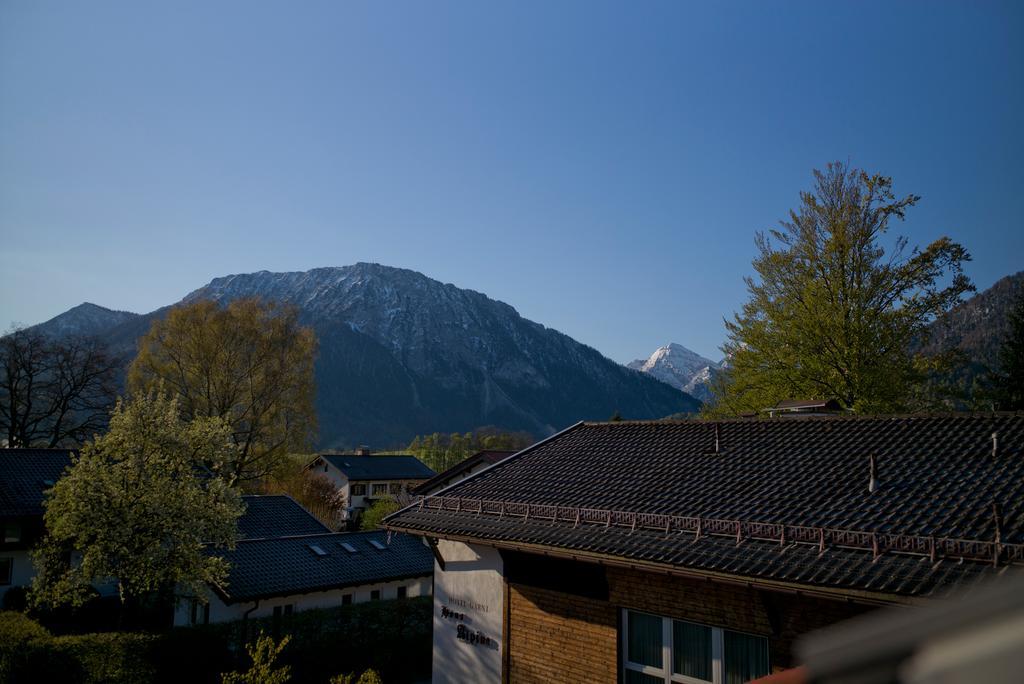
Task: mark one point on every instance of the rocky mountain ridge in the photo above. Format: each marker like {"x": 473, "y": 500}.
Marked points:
{"x": 401, "y": 354}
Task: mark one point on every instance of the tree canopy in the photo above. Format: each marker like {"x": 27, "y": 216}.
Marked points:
{"x": 833, "y": 314}
{"x": 441, "y": 451}
{"x": 249, "y": 363}
{"x": 54, "y": 392}
{"x": 136, "y": 508}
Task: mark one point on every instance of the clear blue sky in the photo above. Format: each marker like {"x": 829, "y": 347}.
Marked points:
{"x": 600, "y": 167}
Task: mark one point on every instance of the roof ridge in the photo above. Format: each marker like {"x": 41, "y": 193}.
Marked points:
{"x": 697, "y": 420}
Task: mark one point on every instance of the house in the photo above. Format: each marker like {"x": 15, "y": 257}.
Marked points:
{"x": 698, "y": 551}
{"x": 461, "y": 471}
{"x": 25, "y": 477}
{"x": 287, "y": 561}
{"x": 363, "y": 479}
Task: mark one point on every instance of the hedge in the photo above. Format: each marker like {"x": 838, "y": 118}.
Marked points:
{"x": 392, "y": 637}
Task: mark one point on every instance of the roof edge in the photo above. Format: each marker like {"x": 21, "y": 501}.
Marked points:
{"x": 833, "y": 593}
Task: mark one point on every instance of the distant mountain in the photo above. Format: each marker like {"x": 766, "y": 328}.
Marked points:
{"x": 679, "y": 367}
{"x": 978, "y": 326}
{"x": 85, "y": 319}
{"x": 401, "y": 354}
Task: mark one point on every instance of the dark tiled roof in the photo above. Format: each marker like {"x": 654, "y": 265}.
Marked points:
{"x": 276, "y": 515}
{"x": 379, "y": 467}
{"x": 457, "y": 471}
{"x": 262, "y": 568}
{"x": 936, "y": 476}
{"x": 25, "y": 474}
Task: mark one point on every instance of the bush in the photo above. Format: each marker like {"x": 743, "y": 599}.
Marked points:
{"x": 17, "y": 634}
{"x": 29, "y": 653}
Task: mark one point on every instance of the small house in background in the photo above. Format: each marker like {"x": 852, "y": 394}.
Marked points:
{"x": 284, "y": 575}
{"x": 363, "y": 478}
{"x": 287, "y": 561}
{"x": 461, "y": 471}
{"x": 25, "y": 477}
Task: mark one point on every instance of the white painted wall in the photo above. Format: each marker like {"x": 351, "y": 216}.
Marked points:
{"x": 470, "y": 585}
{"x": 222, "y": 612}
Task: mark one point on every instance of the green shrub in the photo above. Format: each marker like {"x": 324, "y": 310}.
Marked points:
{"x": 17, "y": 634}
{"x": 29, "y": 653}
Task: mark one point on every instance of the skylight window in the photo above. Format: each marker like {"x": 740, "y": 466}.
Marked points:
{"x": 317, "y": 550}
{"x": 348, "y": 547}
{"x": 377, "y": 545}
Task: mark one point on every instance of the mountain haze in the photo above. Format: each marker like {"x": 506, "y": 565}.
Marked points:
{"x": 401, "y": 354}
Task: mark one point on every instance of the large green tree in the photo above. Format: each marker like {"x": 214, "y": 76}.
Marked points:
{"x": 833, "y": 313}
{"x": 1008, "y": 381}
{"x": 138, "y": 507}
{"x": 249, "y": 363}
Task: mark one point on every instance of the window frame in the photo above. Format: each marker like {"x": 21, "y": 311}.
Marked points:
{"x": 7, "y": 579}
{"x": 665, "y": 673}
{"x": 360, "y": 486}
{"x": 379, "y": 489}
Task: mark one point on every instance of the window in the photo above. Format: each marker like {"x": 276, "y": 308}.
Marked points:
{"x": 375, "y": 595}
{"x": 358, "y": 490}
{"x": 658, "y": 649}
{"x": 11, "y": 533}
{"x": 402, "y": 592}
{"x": 380, "y": 488}
{"x": 317, "y": 549}
{"x": 348, "y": 547}
{"x": 377, "y": 545}
{"x": 346, "y": 599}
{"x": 6, "y": 569}
{"x": 200, "y": 612}
{"x": 395, "y": 488}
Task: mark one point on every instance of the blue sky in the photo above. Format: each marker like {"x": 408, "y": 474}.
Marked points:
{"x": 600, "y": 167}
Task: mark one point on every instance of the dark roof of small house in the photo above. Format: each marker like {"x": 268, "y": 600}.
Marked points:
{"x": 644, "y": 490}
{"x": 263, "y": 568}
{"x": 379, "y": 467}
{"x": 458, "y": 471}
{"x": 276, "y": 515}
{"x": 25, "y": 475}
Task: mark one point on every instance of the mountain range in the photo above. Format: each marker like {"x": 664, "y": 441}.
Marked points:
{"x": 401, "y": 354}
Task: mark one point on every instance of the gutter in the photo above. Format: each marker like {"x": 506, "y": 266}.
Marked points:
{"x": 849, "y": 595}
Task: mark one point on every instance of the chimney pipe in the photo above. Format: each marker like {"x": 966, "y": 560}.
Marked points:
{"x": 872, "y": 479}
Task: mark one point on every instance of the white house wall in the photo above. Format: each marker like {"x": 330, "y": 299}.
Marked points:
{"x": 468, "y": 593}
{"x": 221, "y": 612}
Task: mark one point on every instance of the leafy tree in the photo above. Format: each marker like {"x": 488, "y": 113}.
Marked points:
{"x": 53, "y": 392}
{"x": 264, "y": 654}
{"x": 135, "y": 509}
{"x": 368, "y": 677}
{"x": 315, "y": 491}
{"x": 833, "y": 314}
{"x": 249, "y": 363}
{"x": 1008, "y": 382}
{"x": 442, "y": 451}
{"x": 371, "y": 518}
